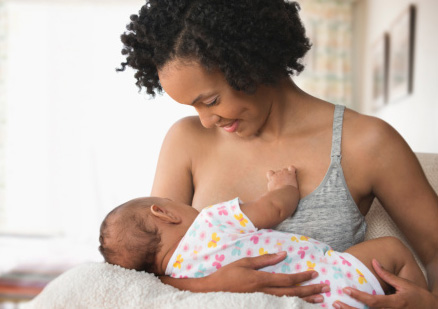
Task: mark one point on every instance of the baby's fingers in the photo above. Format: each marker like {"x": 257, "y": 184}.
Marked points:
{"x": 270, "y": 173}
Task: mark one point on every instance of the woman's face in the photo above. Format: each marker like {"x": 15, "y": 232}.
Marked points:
{"x": 217, "y": 104}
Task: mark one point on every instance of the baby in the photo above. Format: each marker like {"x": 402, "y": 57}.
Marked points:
{"x": 170, "y": 238}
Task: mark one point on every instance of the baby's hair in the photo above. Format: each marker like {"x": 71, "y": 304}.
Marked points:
{"x": 126, "y": 239}
{"x": 252, "y": 42}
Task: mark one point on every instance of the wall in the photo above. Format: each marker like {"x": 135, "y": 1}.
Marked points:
{"x": 416, "y": 116}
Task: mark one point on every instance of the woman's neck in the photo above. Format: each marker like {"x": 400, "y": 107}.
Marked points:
{"x": 287, "y": 101}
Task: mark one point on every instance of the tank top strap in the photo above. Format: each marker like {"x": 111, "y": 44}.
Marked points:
{"x": 337, "y": 132}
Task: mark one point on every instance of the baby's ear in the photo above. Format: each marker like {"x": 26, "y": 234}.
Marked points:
{"x": 164, "y": 214}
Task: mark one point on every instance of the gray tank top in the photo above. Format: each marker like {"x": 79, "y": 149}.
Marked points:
{"x": 329, "y": 214}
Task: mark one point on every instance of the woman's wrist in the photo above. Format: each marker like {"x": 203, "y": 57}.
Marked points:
{"x": 196, "y": 285}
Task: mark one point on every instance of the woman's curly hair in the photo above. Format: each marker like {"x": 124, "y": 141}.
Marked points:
{"x": 251, "y": 42}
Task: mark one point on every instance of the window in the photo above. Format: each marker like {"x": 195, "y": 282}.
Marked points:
{"x": 77, "y": 139}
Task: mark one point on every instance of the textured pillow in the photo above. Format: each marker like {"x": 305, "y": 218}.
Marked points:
{"x": 101, "y": 285}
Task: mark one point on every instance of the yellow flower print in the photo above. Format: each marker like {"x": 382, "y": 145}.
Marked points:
{"x": 361, "y": 278}
{"x": 178, "y": 262}
{"x": 310, "y": 265}
{"x": 241, "y": 219}
{"x": 214, "y": 240}
{"x": 262, "y": 251}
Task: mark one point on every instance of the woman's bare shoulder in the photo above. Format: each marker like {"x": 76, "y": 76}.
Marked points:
{"x": 188, "y": 128}
{"x": 370, "y": 133}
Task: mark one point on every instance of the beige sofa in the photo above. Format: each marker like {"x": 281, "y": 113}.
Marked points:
{"x": 100, "y": 285}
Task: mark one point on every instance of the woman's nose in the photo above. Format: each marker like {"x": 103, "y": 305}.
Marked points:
{"x": 208, "y": 119}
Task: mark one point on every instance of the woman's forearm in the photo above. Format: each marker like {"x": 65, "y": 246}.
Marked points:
{"x": 196, "y": 285}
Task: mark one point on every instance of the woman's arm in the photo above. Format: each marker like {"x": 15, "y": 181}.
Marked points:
{"x": 242, "y": 276}
{"x": 173, "y": 175}
{"x": 399, "y": 183}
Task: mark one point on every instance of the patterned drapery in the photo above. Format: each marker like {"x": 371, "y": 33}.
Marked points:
{"x": 328, "y": 73}
{"x": 3, "y": 32}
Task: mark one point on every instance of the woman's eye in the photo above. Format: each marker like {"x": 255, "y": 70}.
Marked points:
{"x": 212, "y": 103}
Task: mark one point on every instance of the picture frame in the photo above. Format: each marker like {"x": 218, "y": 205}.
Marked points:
{"x": 380, "y": 52}
{"x": 401, "y": 55}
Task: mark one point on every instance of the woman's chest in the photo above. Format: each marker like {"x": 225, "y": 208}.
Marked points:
{"x": 227, "y": 172}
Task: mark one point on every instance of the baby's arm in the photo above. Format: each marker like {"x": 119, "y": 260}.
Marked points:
{"x": 278, "y": 203}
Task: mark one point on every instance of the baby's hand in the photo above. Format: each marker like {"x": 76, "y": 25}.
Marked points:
{"x": 283, "y": 177}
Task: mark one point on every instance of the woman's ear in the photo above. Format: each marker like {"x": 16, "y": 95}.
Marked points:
{"x": 164, "y": 214}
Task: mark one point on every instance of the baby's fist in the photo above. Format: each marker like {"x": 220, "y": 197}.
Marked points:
{"x": 283, "y": 177}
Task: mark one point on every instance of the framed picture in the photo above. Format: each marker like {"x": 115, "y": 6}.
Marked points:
{"x": 380, "y": 72}
{"x": 401, "y": 55}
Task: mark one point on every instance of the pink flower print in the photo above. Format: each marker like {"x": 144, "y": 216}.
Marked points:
{"x": 279, "y": 245}
{"x": 206, "y": 257}
{"x": 302, "y": 251}
{"x": 345, "y": 262}
{"x": 323, "y": 260}
{"x": 183, "y": 277}
{"x": 189, "y": 266}
{"x": 202, "y": 236}
{"x": 374, "y": 292}
{"x": 328, "y": 283}
{"x": 290, "y": 249}
{"x": 267, "y": 240}
{"x": 222, "y": 211}
{"x": 312, "y": 257}
{"x": 219, "y": 259}
{"x": 269, "y": 230}
{"x": 249, "y": 252}
{"x": 335, "y": 263}
{"x": 209, "y": 213}
{"x": 224, "y": 247}
{"x": 230, "y": 223}
{"x": 233, "y": 237}
{"x": 195, "y": 252}
{"x": 233, "y": 208}
{"x": 297, "y": 267}
{"x": 254, "y": 239}
{"x": 339, "y": 291}
{"x": 349, "y": 275}
{"x": 186, "y": 247}
{"x": 323, "y": 270}
{"x": 324, "y": 305}
{"x": 209, "y": 223}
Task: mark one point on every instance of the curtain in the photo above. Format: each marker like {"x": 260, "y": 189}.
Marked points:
{"x": 328, "y": 72}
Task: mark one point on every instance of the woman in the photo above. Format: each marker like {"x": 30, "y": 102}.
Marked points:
{"x": 232, "y": 61}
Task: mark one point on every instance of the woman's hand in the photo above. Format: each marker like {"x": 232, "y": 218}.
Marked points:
{"x": 242, "y": 276}
{"x": 407, "y": 294}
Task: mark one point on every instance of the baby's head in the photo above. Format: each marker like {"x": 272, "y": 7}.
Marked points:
{"x": 142, "y": 234}
{"x": 128, "y": 236}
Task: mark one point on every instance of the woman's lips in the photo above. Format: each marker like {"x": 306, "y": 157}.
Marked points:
{"x": 232, "y": 127}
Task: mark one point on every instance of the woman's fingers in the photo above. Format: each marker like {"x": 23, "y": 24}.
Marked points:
{"x": 378, "y": 301}
{"x": 386, "y": 276}
{"x": 308, "y": 293}
{"x": 262, "y": 260}
{"x": 407, "y": 294}
{"x": 244, "y": 271}
{"x": 300, "y": 291}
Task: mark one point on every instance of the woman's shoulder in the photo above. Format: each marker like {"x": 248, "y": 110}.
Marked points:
{"x": 188, "y": 132}
{"x": 368, "y": 130}
{"x": 371, "y": 139}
